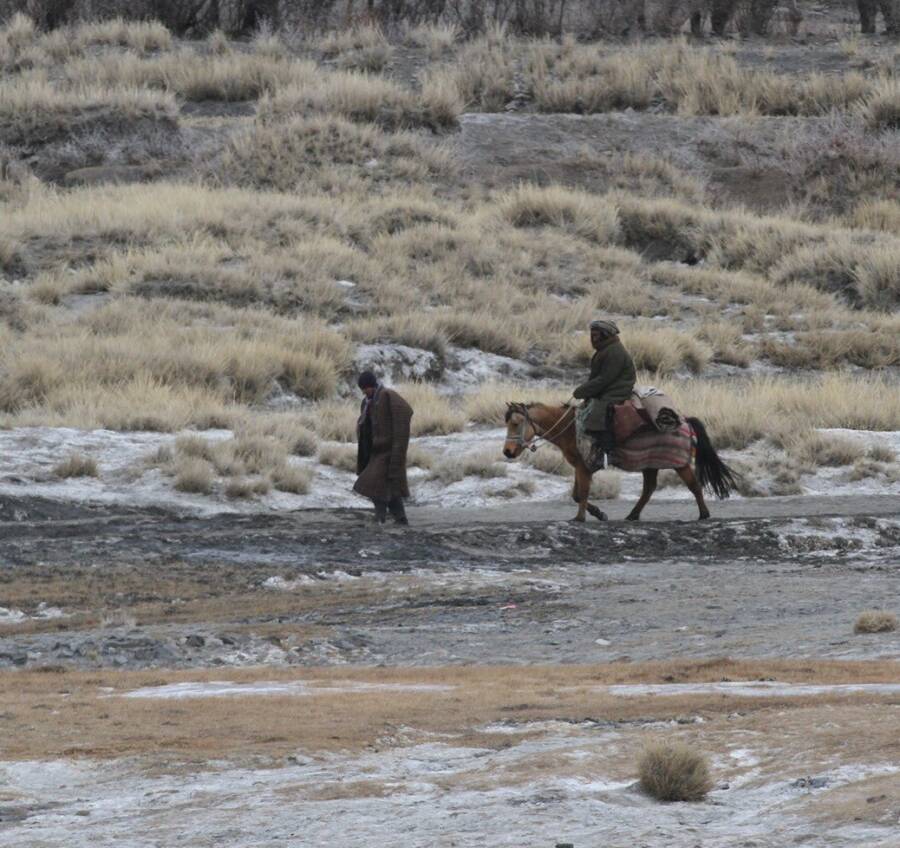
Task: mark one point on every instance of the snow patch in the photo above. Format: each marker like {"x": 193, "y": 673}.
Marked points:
{"x": 296, "y": 688}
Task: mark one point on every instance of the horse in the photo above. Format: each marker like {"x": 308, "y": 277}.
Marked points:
{"x": 527, "y": 422}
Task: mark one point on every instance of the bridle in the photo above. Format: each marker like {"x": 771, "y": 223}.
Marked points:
{"x": 538, "y": 438}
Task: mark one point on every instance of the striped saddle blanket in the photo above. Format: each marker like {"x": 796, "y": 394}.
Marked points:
{"x": 651, "y": 449}
{"x": 644, "y": 447}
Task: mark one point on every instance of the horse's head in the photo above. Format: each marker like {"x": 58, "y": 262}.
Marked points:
{"x": 519, "y": 430}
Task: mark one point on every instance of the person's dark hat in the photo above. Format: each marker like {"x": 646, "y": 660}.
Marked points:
{"x": 367, "y": 380}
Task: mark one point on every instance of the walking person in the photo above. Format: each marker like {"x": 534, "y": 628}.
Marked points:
{"x": 611, "y": 381}
{"x": 383, "y": 439}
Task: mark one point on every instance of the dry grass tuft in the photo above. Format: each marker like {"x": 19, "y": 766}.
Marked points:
{"x": 77, "y": 465}
{"x": 486, "y": 464}
{"x": 606, "y": 485}
{"x": 338, "y": 456}
{"x": 673, "y": 771}
{"x": 245, "y": 487}
{"x": 875, "y": 621}
{"x": 574, "y": 211}
{"x": 294, "y": 479}
{"x": 35, "y": 111}
{"x": 823, "y": 449}
{"x": 195, "y": 476}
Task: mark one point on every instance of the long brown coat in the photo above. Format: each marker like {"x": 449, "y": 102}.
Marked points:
{"x": 384, "y": 475}
{"x": 611, "y": 381}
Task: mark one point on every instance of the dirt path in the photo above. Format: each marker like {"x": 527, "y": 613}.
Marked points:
{"x": 146, "y": 588}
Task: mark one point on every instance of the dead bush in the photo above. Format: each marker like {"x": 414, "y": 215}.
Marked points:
{"x": 875, "y": 621}
{"x": 674, "y": 771}
{"x": 77, "y": 465}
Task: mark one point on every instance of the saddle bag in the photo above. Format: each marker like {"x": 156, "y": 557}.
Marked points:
{"x": 627, "y": 420}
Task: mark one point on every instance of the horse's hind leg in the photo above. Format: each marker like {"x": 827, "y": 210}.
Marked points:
{"x": 687, "y": 475}
{"x": 580, "y": 491}
{"x": 650, "y": 475}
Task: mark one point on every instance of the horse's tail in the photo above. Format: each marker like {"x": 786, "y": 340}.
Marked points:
{"x": 714, "y": 475}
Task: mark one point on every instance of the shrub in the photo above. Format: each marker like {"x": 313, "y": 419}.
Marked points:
{"x": 875, "y": 621}
{"x": 485, "y": 463}
{"x": 294, "y": 479}
{"x": 338, "y": 456}
{"x": 881, "y": 109}
{"x": 820, "y": 449}
{"x": 244, "y": 487}
{"x": 77, "y": 465}
{"x": 673, "y": 771}
{"x": 555, "y": 206}
{"x": 195, "y": 476}
{"x": 882, "y": 453}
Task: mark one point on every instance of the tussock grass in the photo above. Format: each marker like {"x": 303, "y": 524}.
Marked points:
{"x": 881, "y": 107}
{"x": 819, "y": 449}
{"x": 193, "y": 76}
{"x": 673, "y": 771}
{"x": 77, "y": 465}
{"x": 434, "y": 414}
{"x": 487, "y": 464}
{"x": 363, "y": 98}
{"x": 487, "y": 403}
{"x": 550, "y": 461}
{"x": 33, "y": 110}
{"x": 606, "y": 485}
{"x": 364, "y": 48}
{"x": 247, "y": 487}
{"x": 338, "y": 456}
{"x": 740, "y": 412}
{"x": 577, "y": 212}
{"x": 832, "y": 348}
{"x": 690, "y": 81}
{"x": 195, "y": 476}
{"x": 875, "y": 621}
{"x": 335, "y": 420}
{"x": 22, "y": 46}
{"x": 436, "y": 38}
{"x": 284, "y": 154}
{"x": 881, "y": 215}
{"x": 293, "y": 479}
{"x": 112, "y": 354}
{"x": 286, "y": 428}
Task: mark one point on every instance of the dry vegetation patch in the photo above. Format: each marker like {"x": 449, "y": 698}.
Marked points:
{"x": 875, "y": 621}
{"x": 673, "y": 771}
{"x": 335, "y": 719}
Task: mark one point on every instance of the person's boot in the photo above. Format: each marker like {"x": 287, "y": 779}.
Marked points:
{"x": 398, "y": 511}
{"x": 381, "y": 508}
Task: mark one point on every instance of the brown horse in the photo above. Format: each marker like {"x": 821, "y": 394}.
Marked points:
{"x": 528, "y": 422}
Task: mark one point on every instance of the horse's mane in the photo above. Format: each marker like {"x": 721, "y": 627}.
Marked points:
{"x": 518, "y": 406}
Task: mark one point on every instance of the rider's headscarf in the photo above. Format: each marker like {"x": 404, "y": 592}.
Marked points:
{"x": 605, "y": 328}
{"x": 367, "y": 380}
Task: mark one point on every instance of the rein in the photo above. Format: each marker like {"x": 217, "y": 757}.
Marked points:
{"x": 539, "y": 438}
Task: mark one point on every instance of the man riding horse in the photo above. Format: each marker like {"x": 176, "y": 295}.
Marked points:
{"x": 611, "y": 381}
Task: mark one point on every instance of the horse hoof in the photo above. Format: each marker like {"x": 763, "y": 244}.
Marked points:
{"x": 632, "y": 518}
{"x": 600, "y": 515}
{"x": 576, "y": 520}
{"x": 704, "y": 517}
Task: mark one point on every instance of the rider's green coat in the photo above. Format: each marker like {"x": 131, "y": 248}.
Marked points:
{"x": 611, "y": 381}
